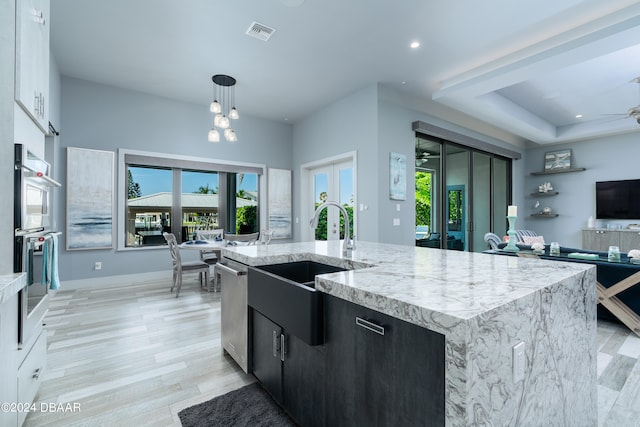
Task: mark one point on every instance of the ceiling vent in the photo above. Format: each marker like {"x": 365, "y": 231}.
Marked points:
{"x": 260, "y": 31}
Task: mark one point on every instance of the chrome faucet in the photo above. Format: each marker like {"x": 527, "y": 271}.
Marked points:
{"x": 349, "y": 244}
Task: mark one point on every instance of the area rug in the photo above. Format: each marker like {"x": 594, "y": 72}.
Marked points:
{"x": 250, "y": 405}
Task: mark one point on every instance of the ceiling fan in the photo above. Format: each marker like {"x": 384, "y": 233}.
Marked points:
{"x": 423, "y": 155}
{"x": 633, "y": 112}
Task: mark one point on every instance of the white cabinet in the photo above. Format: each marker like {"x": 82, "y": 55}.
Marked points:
{"x": 8, "y": 358}
{"x": 32, "y": 60}
{"x": 30, "y": 373}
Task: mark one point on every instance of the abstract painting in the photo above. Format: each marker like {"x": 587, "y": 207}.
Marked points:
{"x": 89, "y": 199}
{"x": 279, "y": 205}
{"x": 560, "y": 159}
{"x": 397, "y": 176}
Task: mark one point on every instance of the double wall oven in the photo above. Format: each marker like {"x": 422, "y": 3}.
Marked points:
{"x": 32, "y": 225}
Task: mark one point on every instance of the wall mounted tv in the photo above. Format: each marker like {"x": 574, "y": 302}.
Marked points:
{"x": 618, "y": 199}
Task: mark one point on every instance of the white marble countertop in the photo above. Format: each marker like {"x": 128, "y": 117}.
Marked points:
{"x": 483, "y": 304}
{"x": 10, "y": 284}
{"x": 417, "y": 284}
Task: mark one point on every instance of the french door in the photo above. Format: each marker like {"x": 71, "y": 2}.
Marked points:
{"x": 330, "y": 181}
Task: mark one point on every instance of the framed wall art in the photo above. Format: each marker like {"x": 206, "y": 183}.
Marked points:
{"x": 90, "y": 199}
{"x": 560, "y": 159}
{"x": 397, "y": 176}
{"x": 279, "y": 203}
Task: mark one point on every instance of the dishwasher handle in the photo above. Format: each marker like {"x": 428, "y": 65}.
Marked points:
{"x": 231, "y": 271}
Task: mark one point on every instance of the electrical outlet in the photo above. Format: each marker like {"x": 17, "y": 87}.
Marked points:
{"x": 98, "y": 265}
{"x": 518, "y": 361}
{"x": 396, "y": 221}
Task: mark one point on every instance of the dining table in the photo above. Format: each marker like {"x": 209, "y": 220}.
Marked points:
{"x": 209, "y": 246}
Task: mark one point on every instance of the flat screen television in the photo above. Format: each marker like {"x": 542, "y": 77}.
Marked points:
{"x": 618, "y": 199}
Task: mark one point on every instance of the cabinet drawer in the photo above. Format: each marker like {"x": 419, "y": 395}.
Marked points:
{"x": 30, "y": 372}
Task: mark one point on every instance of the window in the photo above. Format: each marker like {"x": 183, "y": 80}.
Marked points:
{"x": 148, "y": 205}
{"x": 199, "y": 202}
{"x": 182, "y": 195}
{"x": 245, "y": 204}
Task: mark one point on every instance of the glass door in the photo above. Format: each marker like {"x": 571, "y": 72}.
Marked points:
{"x": 501, "y": 190}
{"x": 460, "y": 197}
{"x": 481, "y": 193}
{"x": 333, "y": 182}
{"x": 457, "y": 199}
{"x": 427, "y": 176}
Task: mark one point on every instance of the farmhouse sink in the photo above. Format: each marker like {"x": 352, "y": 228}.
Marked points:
{"x": 285, "y": 293}
{"x": 301, "y": 272}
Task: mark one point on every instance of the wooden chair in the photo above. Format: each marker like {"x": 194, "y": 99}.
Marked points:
{"x": 179, "y": 267}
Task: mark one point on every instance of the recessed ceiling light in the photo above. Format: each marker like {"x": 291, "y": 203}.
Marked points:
{"x": 414, "y": 45}
{"x": 578, "y": 116}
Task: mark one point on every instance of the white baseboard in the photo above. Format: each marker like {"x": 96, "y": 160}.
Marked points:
{"x": 107, "y": 281}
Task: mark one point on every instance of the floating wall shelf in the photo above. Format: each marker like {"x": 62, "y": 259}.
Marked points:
{"x": 547, "y": 194}
{"x": 554, "y": 171}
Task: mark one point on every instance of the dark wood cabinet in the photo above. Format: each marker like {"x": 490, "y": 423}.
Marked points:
{"x": 266, "y": 345}
{"x": 291, "y": 370}
{"x": 380, "y": 370}
{"x": 303, "y": 381}
{"x": 373, "y": 370}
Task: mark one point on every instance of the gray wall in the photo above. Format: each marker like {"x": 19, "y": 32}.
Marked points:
{"x": 101, "y": 117}
{"x": 611, "y": 158}
{"x": 395, "y": 134}
{"x": 375, "y": 121}
{"x": 349, "y": 124}
{"x": 372, "y": 122}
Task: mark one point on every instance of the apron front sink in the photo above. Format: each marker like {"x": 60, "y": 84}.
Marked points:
{"x": 285, "y": 293}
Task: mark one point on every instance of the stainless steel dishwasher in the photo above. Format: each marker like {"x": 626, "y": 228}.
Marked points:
{"x": 232, "y": 279}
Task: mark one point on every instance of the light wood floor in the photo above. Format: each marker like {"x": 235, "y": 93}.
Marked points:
{"x": 133, "y": 355}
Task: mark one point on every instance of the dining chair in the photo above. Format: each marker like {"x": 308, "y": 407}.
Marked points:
{"x": 210, "y": 256}
{"x": 179, "y": 267}
{"x": 246, "y": 239}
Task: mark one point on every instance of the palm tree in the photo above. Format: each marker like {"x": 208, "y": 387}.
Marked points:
{"x": 206, "y": 190}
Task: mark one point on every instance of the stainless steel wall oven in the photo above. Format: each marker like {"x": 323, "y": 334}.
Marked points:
{"x": 32, "y": 225}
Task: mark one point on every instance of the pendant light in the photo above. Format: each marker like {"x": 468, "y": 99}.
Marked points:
{"x": 223, "y": 101}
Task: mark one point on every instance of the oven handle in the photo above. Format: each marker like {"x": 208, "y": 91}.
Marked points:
{"x": 42, "y": 176}
{"x": 33, "y": 242}
{"x": 230, "y": 270}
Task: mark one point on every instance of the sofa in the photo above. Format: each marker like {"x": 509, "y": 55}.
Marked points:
{"x": 493, "y": 240}
{"x": 433, "y": 241}
{"x": 608, "y": 274}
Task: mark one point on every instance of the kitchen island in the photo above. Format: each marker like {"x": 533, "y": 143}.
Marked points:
{"x": 484, "y": 306}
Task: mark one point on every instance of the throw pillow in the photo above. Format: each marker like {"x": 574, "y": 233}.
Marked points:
{"x": 529, "y": 240}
